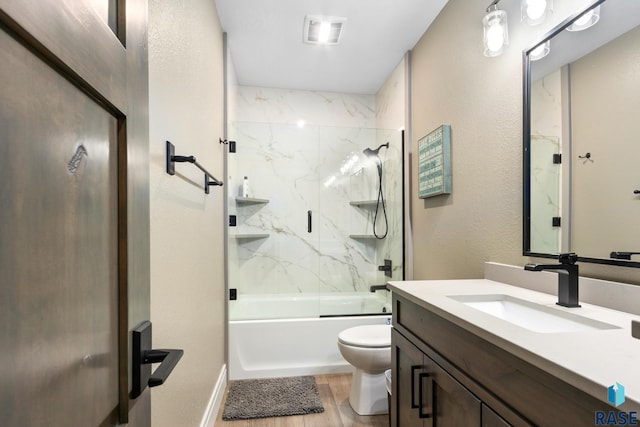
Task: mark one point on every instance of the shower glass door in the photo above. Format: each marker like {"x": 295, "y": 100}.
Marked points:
{"x": 302, "y": 244}
{"x": 350, "y": 201}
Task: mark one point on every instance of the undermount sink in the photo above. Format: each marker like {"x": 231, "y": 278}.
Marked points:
{"x": 531, "y": 316}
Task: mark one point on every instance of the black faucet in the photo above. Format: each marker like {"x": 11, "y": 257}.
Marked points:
{"x": 622, "y": 255}
{"x": 378, "y": 288}
{"x": 567, "y": 278}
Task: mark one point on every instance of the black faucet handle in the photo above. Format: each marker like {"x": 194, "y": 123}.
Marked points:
{"x": 568, "y": 258}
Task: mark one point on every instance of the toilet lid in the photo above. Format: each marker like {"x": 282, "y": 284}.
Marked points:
{"x": 367, "y": 336}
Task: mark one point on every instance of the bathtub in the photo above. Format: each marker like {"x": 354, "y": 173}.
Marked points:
{"x": 291, "y": 344}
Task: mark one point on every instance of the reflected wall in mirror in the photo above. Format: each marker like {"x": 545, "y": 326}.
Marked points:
{"x": 582, "y": 139}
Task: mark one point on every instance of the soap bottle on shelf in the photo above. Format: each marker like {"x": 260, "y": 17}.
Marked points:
{"x": 245, "y": 187}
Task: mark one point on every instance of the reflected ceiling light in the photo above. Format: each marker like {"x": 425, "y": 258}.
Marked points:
{"x": 586, "y": 20}
{"x": 330, "y": 181}
{"x": 323, "y": 29}
{"x": 540, "y": 51}
{"x": 534, "y": 12}
{"x": 496, "y": 34}
{"x": 349, "y": 164}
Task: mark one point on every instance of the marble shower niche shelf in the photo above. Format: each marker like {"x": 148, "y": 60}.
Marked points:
{"x": 250, "y": 236}
{"x": 250, "y": 200}
{"x": 362, "y": 236}
{"x": 364, "y": 203}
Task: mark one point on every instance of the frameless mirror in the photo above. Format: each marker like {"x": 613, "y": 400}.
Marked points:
{"x": 582, "y": 137}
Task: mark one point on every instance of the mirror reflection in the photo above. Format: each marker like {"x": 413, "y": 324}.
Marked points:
{"x": 582, "y": 113}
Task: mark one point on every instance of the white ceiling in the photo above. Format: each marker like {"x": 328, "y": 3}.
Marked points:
{"x": 267, "y": 48}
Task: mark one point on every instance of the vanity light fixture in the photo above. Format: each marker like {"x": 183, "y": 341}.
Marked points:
{"x": 496, "y": 33}
{"x": 586, "y": 20}
{"x": 534, "y": 12}
{"x": 541, "y": 51}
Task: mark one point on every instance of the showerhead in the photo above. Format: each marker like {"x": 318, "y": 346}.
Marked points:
{"x": 371, "y": 152}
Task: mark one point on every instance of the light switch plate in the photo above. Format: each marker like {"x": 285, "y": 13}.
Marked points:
{"x": 635, "y": 328}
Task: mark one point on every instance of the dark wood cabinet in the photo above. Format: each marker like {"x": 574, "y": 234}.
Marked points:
{"x": 406, "y": 363}
{"x": 491, "y": 419}
{"x": 426, "y": 395}
{"x": 444, "y": 375}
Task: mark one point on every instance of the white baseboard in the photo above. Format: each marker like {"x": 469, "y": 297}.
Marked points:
{"x": 210, "y": 415}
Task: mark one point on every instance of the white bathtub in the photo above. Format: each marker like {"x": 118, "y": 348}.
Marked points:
{"x": 294, "y": 345}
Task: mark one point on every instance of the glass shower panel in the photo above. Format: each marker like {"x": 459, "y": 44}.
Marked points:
{"x": 273, "y": 262}
{"x": 545, "y": 194}
{"x": 303, "y": 243}
{"x": 349, "y": 199}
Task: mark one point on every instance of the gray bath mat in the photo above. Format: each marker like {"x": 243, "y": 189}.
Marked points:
{"x": 272, "y": 397}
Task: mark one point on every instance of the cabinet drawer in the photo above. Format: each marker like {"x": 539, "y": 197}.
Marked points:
{"x": 411, "y": 317}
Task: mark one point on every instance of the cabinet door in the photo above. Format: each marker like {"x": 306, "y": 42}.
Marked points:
{"x": 407, "y": 363}
{"x": 491, "y": 419}
{"x": 424, "y": 394}
{"x": 444, "y": 400}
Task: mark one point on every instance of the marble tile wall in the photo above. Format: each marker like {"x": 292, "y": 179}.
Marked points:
{"x": 317, "y": 167}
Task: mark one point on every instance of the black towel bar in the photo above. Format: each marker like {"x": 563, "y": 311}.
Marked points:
{"x": 209, "y": 179}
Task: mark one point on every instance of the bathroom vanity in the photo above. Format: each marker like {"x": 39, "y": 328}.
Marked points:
{"x": 481, "y": 352}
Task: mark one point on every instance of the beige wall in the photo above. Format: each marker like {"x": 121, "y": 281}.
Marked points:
{"x": 187, "y": 261}
{"x": 481, "y": 98}
{"x": 604, "y": 121}
{"x": 390, "y": 100}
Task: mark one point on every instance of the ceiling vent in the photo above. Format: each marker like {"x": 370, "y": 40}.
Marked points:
{"x": 323, "y": 29}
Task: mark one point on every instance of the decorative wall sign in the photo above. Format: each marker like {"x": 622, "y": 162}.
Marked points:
{"x": 434, "y": 163}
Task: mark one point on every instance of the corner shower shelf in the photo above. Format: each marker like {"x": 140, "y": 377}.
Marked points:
{"x": 250, "y": 236}
{"x": 364, "y": 203}
{"x": 250, "y": 200}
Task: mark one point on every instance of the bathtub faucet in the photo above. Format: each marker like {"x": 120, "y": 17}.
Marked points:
{"x": 378, "y": 288}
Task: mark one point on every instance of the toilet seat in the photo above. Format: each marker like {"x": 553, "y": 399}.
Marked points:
{"x": 366, "y": 336}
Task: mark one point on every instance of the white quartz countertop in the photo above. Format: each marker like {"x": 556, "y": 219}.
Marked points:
{"x": 590, "y": 360}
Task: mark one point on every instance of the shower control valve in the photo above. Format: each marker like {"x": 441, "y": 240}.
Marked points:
{"x": 387, "y": 267}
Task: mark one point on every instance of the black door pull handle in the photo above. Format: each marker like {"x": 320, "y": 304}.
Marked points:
{"x": 168, "y": 360}
{"x": 309, "y": 221}
{"x": 430, "y": 409}
{"x": 142, "y": 356}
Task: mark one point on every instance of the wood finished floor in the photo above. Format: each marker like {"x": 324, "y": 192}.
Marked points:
{"x": 334, "y": 392}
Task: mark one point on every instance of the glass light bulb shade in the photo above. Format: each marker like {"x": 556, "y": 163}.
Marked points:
{"x": 534, "y": 12}
{"x": 540, "y": 51}
{"x": 496, "y": 34}
{"x": 586, "y": 20}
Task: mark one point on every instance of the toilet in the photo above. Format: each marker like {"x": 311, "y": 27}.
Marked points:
{"x": 368, "y": 349}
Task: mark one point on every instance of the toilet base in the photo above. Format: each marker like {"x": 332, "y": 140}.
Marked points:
{"x": 368, "y": 395}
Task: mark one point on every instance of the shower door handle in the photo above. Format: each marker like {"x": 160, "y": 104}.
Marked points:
{"x": 309, "y": 221}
